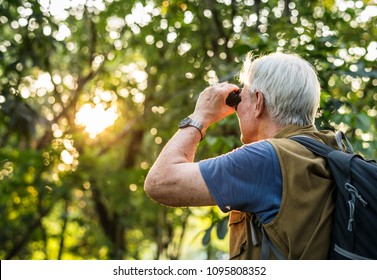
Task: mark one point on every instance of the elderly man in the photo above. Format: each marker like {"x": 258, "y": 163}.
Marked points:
{"x": 274, "y": 188}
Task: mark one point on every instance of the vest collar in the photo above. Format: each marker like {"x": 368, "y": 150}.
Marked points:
{"x": 292, "y": 130}
{"x": 325, "y": 136}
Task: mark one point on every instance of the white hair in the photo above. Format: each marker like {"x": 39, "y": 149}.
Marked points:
{"x": 289, "y": 85}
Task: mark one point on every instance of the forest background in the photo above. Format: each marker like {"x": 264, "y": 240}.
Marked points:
{"x": 91, "y": 90}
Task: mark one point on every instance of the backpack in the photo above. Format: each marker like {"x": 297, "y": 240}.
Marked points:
{"x": 354, "y": 233}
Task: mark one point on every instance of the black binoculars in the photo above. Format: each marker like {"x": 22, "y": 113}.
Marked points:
{"x": 234, "y": 98}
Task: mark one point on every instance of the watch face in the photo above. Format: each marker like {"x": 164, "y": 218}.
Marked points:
{"x": 184, "y": 122}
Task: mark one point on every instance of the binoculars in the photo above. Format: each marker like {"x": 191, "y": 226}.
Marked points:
{"x": 234, "y": 98}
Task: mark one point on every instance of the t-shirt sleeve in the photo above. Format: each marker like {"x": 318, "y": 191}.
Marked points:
{"x": 247, "y": 179}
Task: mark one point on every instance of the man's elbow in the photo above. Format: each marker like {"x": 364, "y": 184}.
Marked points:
{"x": 155, "y": 189}
{"x": 150, "y": 187}
{"x": 163, "y": 191}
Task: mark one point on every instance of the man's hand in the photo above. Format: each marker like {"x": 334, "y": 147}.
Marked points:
{"x": 211, "y": 107}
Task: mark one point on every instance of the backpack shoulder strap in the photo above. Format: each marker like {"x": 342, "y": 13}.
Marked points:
{"x": 342, "y": 158}
{"x": 341, "y": 138}
{"x": 267, "y": 245}
{"x": 313, "y": 145}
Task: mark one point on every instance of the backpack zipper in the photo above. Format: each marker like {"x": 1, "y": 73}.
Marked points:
{"x": 351, "y": 203}
{"x": 348, "y": 254}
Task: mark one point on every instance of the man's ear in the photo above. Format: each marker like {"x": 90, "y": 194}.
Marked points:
{"x": 259, "y": 104}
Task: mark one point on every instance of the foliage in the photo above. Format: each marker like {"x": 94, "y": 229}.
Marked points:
{"x": 91, "y": 90}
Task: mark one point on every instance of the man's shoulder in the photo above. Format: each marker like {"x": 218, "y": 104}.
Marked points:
{"x": 260, "y": 146}
{"x": 286, "y": 144}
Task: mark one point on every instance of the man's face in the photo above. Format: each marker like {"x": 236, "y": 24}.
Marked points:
{"x": 246, "y": 115}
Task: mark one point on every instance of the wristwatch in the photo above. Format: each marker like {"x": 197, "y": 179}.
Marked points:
{"x": 186, "y": 122}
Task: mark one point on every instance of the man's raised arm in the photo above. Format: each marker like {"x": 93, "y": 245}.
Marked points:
{"x": 174, "y": 179}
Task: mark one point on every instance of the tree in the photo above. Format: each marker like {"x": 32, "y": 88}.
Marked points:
{"x": 91, "y": 91}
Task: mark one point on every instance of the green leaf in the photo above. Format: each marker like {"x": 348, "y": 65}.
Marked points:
{"x": 207, "y": 236}
{"x": 364, "y": 122}
{"x": 222, "y": 228}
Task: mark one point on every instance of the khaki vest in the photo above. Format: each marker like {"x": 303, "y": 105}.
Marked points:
{"x": 302, "y": 227}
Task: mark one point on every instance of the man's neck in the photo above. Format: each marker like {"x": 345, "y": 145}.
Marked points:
{"x": 267, "y": 129}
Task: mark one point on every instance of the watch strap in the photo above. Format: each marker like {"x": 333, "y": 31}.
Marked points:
{"x": 195, "y": 124}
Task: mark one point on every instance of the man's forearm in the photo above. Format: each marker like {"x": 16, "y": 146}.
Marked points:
{"x": 181, "y": 148}
{"x": 174, "y": 179}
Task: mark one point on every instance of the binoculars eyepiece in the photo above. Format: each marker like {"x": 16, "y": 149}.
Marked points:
{"x": 234, "y": 98}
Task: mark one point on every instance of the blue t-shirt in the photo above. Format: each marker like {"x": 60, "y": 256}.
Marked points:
{"x": 247, "y": 179}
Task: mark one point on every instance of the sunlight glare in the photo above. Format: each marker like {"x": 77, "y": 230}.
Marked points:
{"x": 44, "y": 81}
{"x": 66, "y": 157}
{"x": 372, "y": 51}
{"x": 95, "y": 119}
